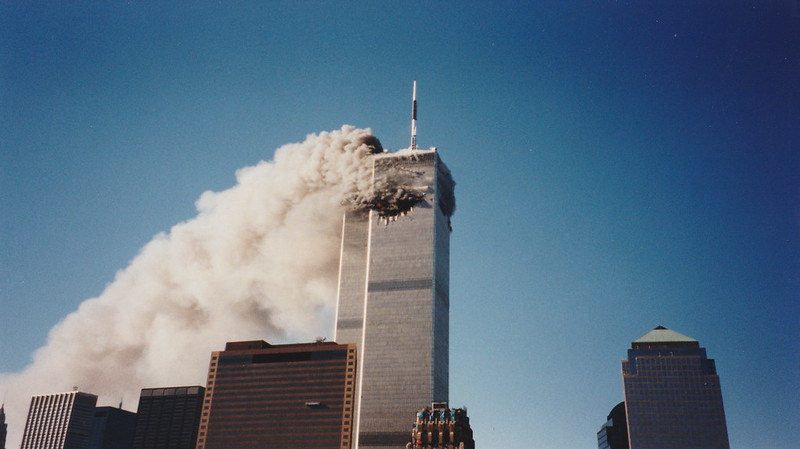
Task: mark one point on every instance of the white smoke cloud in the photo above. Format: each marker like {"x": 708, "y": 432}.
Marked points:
{"x": 258, "y": 262}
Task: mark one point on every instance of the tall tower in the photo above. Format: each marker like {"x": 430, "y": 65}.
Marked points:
{"x": 672, "y": 394}
{"x": 59, "y": 421}
{"x": 393, "y": 299}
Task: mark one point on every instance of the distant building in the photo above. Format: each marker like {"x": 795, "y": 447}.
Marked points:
{"x": 3, "y": 427}
{"x": 168, "y": 418}
{"x": 295, "y": 396}
{"x": 614, "y": 433}
{"x": 672, "y": 394}
{"x": 113, "y": 429}
{"x": 59, "y": 421}
{"x": 438, "y": 427}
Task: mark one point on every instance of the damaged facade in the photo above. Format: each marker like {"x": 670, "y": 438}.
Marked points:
{"x": 393, "y": 296}
{"x": 401, "y": 182}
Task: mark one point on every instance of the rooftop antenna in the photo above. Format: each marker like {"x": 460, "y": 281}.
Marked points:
{"x": 414, "y": 117}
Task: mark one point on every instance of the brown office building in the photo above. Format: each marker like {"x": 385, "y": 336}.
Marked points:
{"x": 289, "y": 396}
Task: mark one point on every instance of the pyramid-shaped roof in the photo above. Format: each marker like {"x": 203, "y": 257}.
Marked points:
{"x": 663, "y": 335}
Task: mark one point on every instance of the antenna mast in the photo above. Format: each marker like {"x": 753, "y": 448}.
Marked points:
{"x": 414, "y": 118}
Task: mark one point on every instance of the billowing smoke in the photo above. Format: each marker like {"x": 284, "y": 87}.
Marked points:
{"x": 258, "y": 262}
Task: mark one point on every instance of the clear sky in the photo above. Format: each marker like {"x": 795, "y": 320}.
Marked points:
{"x": 619, "y": 165}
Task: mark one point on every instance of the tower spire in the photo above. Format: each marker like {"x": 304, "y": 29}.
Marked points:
{"x": 414, "y": 117}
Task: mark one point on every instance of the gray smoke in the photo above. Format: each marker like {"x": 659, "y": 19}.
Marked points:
{"x": 259, "y": 261}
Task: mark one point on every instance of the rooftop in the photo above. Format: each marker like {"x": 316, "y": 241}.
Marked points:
{"x": 661, "y": 335}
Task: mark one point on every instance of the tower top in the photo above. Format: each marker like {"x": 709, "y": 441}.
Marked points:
{"x": 663, "y": 335}
{"x": 414, "y": 117}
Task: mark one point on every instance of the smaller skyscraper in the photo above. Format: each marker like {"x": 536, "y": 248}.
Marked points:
{"x": 672, "y": 394}
{"x": 3, "y": 427}
{"x": 168, "y": 418}
{"x": 438, "y": 427}
{"x": 59, "y": 421}
{"x": 295, "y": 396}
{"x": 113, "y": 428}
{"x": 614, "y": 433}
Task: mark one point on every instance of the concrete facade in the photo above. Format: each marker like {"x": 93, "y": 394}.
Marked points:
{"x": 59, "y": 421}
{"x": 393, "y": 302}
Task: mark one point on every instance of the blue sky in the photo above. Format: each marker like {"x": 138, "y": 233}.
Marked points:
{"x": 619, "y": 165}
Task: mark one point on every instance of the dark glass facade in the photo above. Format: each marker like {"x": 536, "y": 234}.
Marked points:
{"x": 3, "y": 427}
{"x": 288, "y": 396}
{"x": 614, "y": 433}
{"x": 113, "y": 429}
{"x": 672, "y": 394}
{"x": 168, "y": 418}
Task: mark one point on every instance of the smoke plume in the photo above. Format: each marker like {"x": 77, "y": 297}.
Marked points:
{"x": 259, "y": 261}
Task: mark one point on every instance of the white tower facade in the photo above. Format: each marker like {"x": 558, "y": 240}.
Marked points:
{"x": 59, "y": 421}
{"x": 393, "y": 301}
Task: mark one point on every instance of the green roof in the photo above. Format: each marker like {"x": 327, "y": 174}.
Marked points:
{"x": 663, "y": 335}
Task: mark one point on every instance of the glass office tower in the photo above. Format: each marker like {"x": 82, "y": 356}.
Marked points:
{"x": 393, "y": 301}
{"x": 168, "y": 417}
{"x": 113, "y": 429}
{"x": 672, "y": 394}
{"x": 614, "y": 433}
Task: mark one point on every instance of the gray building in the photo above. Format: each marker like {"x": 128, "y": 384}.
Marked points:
{"x": 59, "y": 421}
{"x": 673, "y": 397}
{"x": 393, "y": 296}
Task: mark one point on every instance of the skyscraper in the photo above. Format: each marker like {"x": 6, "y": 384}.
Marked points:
{"x": 393, "y": 298}
{"x": 672, "y": 394}
{"x": 614, "y": 433}
{"x": 113, "y": 428}
{"x": 59, "y": 421}
{"x": 3, "y": 427}
{"x": 167, "y": 418}
{"x": 295, "y": 396}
